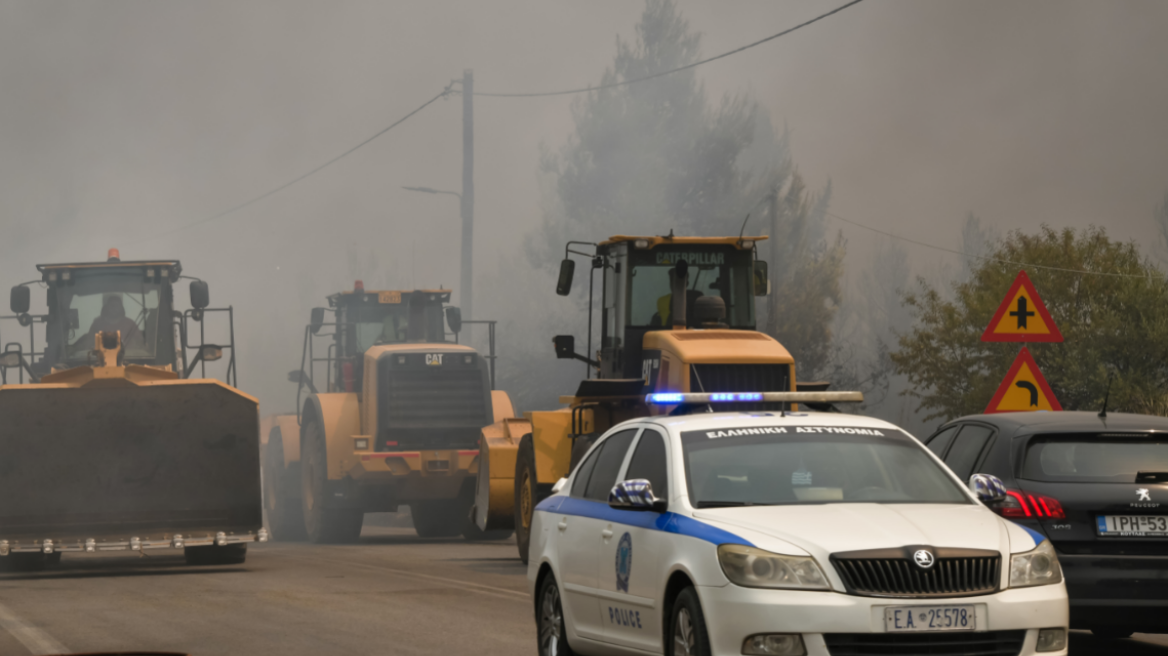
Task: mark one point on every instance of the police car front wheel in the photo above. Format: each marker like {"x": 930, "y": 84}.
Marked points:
{"x": 687, "y": 633}
{"x": 553, "y": 637}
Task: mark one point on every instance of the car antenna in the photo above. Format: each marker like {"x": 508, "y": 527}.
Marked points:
{"x": 743, "y": 230}
{"x": 1106, "y": 396}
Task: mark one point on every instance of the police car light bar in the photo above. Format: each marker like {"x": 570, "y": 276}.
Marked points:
{"x": 674, "y": 398}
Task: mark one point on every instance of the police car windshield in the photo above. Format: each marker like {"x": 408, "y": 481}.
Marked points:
{"x": 790, "y": 465}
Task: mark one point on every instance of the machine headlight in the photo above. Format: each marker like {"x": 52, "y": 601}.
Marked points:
{"x": 755, "y": 568}
{"x": 1039, "y": 566}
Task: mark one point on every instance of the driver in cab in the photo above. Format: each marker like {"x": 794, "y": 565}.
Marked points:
{"x": 113, "y": 318}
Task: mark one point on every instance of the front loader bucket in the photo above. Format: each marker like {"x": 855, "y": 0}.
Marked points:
{"x": 494, "y": 507}
{"x": 172, "y": 457}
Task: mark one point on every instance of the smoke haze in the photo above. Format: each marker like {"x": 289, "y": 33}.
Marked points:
{"x": 121, "y": 122}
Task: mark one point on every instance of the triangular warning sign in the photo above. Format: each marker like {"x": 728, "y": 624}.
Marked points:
{"x": 1022, "y": 316}
{"x": 1023, "y": 389}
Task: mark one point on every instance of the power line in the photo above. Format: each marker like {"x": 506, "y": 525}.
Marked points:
{"x": 675, "y": 70}
{"x": 445, "y": 92}
{"x": 1026, "y": 265}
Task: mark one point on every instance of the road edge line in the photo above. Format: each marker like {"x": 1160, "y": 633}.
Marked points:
{"x": 37, "y": 641}
{"x": 455, "y": 583}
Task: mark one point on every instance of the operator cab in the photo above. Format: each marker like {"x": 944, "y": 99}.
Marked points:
{"x": 365, "y": 319}
{"x": 135, "y": 298}
{"x": 677, "y": 315}
{"x": 643, "y": 278}
{"x": 388, "y": 317}
{"x": 129, "y": 297}
{"x": 638, "y": 291}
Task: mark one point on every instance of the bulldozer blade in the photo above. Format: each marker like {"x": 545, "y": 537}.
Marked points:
{"x": 178, "y": 457}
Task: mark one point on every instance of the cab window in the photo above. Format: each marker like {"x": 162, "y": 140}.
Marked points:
{"x": 722, "y": 271}
{"x": 650, "y": 464}
{"x": 939, "y": 442}
{"x": 966, "y": 448}
{"x": 608, "y": 464}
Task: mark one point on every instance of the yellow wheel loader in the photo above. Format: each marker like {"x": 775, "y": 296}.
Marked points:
{"x": 390, "y": 413}
{"x": 677, "y": 315}
{"x": 107, "y": 442}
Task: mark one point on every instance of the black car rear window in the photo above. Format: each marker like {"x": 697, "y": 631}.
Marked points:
{"x": 1096, "y": 457}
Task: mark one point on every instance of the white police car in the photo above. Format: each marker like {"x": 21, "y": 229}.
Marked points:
{"x": 803, "y": 533}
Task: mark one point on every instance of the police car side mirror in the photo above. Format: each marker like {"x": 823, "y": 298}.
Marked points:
{"x": 988, "y": 489}
{"x": 635, "y": 494}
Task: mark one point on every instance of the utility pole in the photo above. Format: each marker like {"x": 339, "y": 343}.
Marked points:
{"x": 776, "y": 259}
{"x": 466, "y": 292}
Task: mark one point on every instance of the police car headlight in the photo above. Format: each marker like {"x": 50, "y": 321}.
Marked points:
{"x": 1039, "y": 566}
{"x": 755, "y": 568}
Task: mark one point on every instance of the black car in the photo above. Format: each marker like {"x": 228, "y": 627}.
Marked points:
{"x": 1097, "y": 487}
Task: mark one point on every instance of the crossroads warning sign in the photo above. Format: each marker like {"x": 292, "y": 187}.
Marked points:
{"x": 1022, "y": 316}
{"x": 1024, "y": 388}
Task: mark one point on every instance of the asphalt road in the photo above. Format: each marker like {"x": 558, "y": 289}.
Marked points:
{"x": 391, "y": 594}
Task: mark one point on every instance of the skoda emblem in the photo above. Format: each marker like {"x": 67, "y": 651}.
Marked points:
{"x": 924, "y": 559}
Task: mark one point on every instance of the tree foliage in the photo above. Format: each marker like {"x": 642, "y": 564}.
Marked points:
{"x": 1112, "y": 325}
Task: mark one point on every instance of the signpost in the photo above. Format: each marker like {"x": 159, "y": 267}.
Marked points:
{"x": 1022, "y": 317}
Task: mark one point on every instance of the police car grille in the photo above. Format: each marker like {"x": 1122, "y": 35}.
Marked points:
{"x": 983, "y": 643}
{"x": 898, "y": 577}
{"x": 742, "y": 378}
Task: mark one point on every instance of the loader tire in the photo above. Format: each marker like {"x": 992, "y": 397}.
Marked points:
{"x": 285, "y": 513}
{"x": 323, "y": 525}
{"x": 228, "y": 554}
{"x": 439, "y": 518}
{"x": 528, "y": 494}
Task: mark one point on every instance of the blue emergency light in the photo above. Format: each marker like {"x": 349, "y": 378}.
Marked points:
{"x": 675, "y": 398}
{"x": 670, "y": 398}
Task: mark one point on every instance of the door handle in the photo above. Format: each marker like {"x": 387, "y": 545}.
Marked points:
{"x": 563, "y": 525}
{"x": 606, "y": 533}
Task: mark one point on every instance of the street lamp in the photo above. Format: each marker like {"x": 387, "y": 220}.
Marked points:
{"x": 466, "y": 267}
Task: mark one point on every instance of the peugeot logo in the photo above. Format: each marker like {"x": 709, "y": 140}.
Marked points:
{"x": 1144, "y": 496}
{"x": 924, "y": 559}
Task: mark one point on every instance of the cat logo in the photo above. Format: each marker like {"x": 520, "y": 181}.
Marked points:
{"x": 434, "y": 359}
{"x": 649, "y": 367}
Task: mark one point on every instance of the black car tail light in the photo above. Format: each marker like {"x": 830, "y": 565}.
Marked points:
{"x": 1048, "y": 507}
{"x": 1014, "y": 507}
{"x": 1021, "y": 504}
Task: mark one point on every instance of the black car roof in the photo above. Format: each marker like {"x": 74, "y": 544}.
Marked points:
{"x": 1045, "y": 422}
